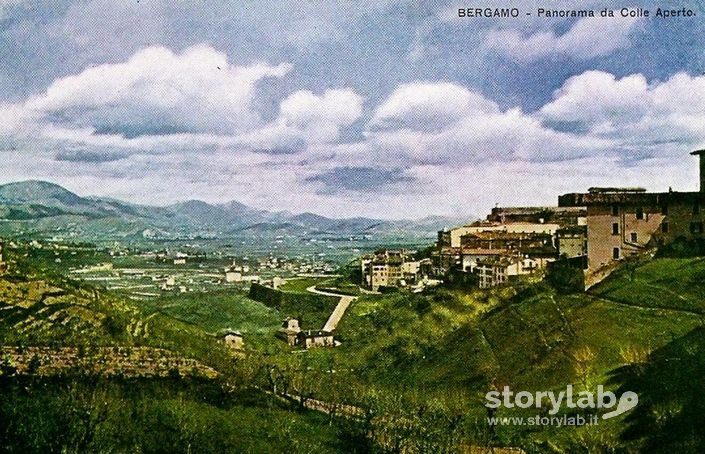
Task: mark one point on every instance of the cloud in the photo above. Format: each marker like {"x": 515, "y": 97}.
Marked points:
{"x": 422, "y": 148}
{"x": 587, "y": 38}
{"x": 88, "y": 156}
{"x": 306, "y": 118}
{"x": 429, "y": 105}
{"x": 447, "y": 124}
{"x": 155, "y": 92}
{"x": 643, "y": 117}
{"x": 359, "y": 179}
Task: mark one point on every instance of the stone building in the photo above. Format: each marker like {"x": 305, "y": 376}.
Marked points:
{"x": 390, "y": 268}
{"x": 623, "y": 222}
{"x": 572, "y": 241}
{"x": 315, "y": 339}
{"x": 498, "y": 270}
{"x": 3, "y": 265}
{"x": 233, "y": 339}
{"x": 563, "y": 216}
{"x": 289, "y": 331}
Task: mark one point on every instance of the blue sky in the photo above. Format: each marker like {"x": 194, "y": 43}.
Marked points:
{"x": 379, "y": 108}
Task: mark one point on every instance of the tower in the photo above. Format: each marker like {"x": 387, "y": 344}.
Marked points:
{"x": 701, "y": 154}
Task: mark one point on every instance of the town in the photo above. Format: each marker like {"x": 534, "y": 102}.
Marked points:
{"x": 593, "y": 231}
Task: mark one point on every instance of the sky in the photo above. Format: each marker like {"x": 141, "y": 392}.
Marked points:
{"x": 389, "y": 109}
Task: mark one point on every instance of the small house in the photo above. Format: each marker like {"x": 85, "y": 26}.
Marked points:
{"x": 233, "y": 339}
{"x": 289, "y": 331}
{"x": 314, "y": 339}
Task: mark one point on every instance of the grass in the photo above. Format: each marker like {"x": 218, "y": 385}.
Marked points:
{"x": 442, "y": 346}
{"x": 216, "y": 310}
{"x": 299, "y": 285}
{"x": 661, "y": 283}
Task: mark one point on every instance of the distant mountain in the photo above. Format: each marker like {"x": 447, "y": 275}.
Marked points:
{"x": 54, "y": 210}
{"x": 39, "y": 192}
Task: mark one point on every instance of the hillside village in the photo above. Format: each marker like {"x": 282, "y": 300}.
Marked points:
{"x": 593, "y": 231}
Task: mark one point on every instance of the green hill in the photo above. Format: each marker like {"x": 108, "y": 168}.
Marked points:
{"x": 83, "y": 370}
{"x": 415, "y": 366}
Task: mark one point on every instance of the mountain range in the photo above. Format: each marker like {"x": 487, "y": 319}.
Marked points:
{"x": 47, "y": 209}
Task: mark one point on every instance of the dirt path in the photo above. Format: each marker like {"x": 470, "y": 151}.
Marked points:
{"x": 340, "y": 308}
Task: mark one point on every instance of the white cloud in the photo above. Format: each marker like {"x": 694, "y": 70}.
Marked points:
{"x": 155, "y": 92}
{"x": 441, "y": 142}
{"x": 594, "y": 96}
{"x": 306, "y": 118}
{"x": 303, "y": 108}
{"x": 429, "y": 105}
{"x": 158, "y": 101}
{"x": 665, "y": 115}
{"x": 446, "y": 124}
{"x": 586, "y": 39}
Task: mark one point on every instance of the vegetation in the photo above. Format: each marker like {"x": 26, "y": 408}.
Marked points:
{"x": 310, "y": 309}
{"x": 409, "y": 376}
{"x": 565, "y": 277}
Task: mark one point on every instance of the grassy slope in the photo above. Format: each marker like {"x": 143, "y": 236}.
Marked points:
{"x": 452, "y": 344}
{"x": 444, "y": 343}
{"x": 40, "y": 307}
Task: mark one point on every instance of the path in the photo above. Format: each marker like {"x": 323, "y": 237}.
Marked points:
{"x": 340, "y": 308}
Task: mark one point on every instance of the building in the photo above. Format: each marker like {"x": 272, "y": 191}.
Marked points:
{"x": 277, "y": 282}
{"x": 315, "y": 339}
{"x": 506, "y": 240}
{"x": 572, "y": 241}
{"x": 391, "y": 268}
{"x": 492, "y": 271}
{"x": 485, "y": 240}
{"x": 624, "y": 222}
{"x": 497, "y": 270}
{"x": 289, "y": 331}
{"x": 538, "y": 215}
{"x": 233, "y": 339}
{"x": 3, "y": 265}
{"x": 451, "y": 238}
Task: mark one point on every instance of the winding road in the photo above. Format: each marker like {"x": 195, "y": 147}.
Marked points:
{"x": 340, "y": 308}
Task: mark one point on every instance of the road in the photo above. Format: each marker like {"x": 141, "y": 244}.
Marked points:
{"x": 340, "y": 308}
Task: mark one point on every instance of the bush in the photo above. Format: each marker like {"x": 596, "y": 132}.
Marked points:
{"x": 565, "y": 277}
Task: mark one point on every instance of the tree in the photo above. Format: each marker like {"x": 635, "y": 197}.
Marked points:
{"x": 565, "y": 277}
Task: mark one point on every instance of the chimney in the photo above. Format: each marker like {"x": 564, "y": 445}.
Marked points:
{"x": 701, "y": 154}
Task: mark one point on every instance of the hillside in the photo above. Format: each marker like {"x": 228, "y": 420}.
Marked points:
{"x": 422, "y": 359}
{"x": 83, "y": 370}
{"x": 453, "y": 347}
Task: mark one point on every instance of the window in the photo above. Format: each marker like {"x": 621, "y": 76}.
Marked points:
{"x": 615, "y": 210}
{"x": 696, "y": 227}
{"x": 634, "y": 237}
{"x": 615, "y": 253}
{"x": 664, "y": 209}
{"x": 615, "y": 229}
{"x": 640, "y": 213}
{"x": 664, "y": 227}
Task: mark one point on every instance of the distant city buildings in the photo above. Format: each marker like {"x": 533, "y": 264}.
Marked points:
{"x": 594, "y": 231}
{"x": 512, "y": 241}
